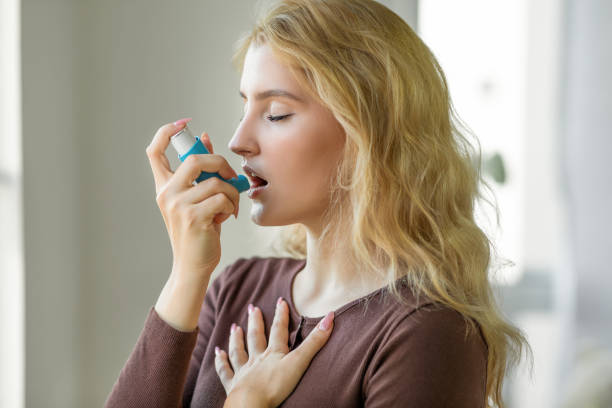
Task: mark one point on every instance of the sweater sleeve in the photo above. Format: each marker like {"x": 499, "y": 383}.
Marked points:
{"x": 163, "y": 366}
{"x": 427, "y": 361}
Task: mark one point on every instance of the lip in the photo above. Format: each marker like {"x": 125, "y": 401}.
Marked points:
{"x": 248, "y": 170}
{"x": 255, "y": 191}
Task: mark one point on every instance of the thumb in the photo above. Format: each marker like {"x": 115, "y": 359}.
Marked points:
{"x": 206, "y": 140}
{"x": 300, "y": 357}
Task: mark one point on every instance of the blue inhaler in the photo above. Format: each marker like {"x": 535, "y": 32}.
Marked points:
{"x": 186, "y": 144}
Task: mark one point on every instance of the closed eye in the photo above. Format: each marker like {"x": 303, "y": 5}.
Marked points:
{"x": 277, "y": 118}
{"x": 273, "y": 118}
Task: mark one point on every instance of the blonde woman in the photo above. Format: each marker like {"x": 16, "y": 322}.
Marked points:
{"x": 350, "y": 136}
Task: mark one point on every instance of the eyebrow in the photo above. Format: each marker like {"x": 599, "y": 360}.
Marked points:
{"x": 274, "y": 92}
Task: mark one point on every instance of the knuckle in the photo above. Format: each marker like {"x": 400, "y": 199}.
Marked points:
{"x": 168, "y": 127}
{"x": 234, "y": 354}
{"x": 192, "y": 159}
{"x": 216, "y": 183}
{"x": 162, "y": 198}
{"x": 191, "y": 217}
{"x": 253, "y": 333}
{"x": 219, "y": 198}
{"x": 276, "y": 324}
{"x": 171, "y": 205}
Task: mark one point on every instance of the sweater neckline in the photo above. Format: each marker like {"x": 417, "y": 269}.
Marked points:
{"x": 288, "y": 296}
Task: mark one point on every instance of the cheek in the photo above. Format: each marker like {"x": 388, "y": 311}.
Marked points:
{"x": 306, "y": 156}
{"x": 308, "y": 168}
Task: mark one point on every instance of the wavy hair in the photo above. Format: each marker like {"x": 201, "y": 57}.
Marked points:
{"x": 408, "y": 181}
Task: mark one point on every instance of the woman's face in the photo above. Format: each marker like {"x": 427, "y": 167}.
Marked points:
{"x": 292, "y": 142}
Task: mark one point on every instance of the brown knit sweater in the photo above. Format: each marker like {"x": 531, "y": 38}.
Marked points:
{"x": 380, "y": 353}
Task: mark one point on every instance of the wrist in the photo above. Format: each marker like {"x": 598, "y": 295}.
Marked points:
{"x": 180, "y": 302}
{"x": 239, "y": 398}
{"x": 190, "y": 275}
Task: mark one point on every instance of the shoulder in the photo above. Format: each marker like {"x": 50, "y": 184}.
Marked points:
{"x": 433, "y": 350}
{"x": 433, "y": 326}
{"x": 438, "y": 319}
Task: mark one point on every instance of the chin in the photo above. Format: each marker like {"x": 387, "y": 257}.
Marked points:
{"x": 266, "y": 219}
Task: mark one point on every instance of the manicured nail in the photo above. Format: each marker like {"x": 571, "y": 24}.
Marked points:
{"x": 181, "y": 122}
{"x": 326, "y": 323}
{"x": 216, "y": 350}
{"x": 278, "y": 302}
{"x": 250, "y": 308}
{"x": 233, "y": 327}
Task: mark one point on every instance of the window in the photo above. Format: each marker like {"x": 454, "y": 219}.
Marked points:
{"x": 12, "y": 340}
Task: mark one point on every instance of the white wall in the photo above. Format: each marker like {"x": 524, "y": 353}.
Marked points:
{"x": 51, "y": 204}
{"x": 12, "y": 281}
{"x": 99, "y": 78}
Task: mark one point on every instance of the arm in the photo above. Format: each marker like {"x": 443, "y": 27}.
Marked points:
{"x": 154, "y": 374}
{"x": 157, "y": 370}
{"x": 427, "y": 362}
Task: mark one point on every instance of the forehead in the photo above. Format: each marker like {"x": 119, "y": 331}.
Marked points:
{"x": 263, "y": 70}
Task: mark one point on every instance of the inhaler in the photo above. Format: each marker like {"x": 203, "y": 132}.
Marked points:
{"x": 185, "y": 143}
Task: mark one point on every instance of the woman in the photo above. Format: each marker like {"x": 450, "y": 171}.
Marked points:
{"x": 349, "y": 125}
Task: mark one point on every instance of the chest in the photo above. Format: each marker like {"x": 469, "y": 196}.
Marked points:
{"x": 334, "y": 377}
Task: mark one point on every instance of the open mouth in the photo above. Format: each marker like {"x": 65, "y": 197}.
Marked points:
{"x": 257, "y": 181}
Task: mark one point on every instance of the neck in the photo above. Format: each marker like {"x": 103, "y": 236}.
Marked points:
{"x": 329, "y": 272}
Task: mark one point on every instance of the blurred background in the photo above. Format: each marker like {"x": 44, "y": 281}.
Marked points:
{"x": 83, "y": 248}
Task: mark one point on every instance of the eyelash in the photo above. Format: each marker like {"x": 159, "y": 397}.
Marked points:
{"x": 273, "y": 118}
{"x": 277, "y": 118}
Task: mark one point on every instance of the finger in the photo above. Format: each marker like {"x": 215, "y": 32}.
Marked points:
{"x": 156, "y": 152}
{"x": 224, "y": 371}
{"x": 206, "y": 140}
{"x": 213, "y": 209}
{"x": 237, "y": 353}
{"x": 210, "y": 187}
{"x": 279, "y": 333}
{"x": 256, "y": 338}
{"x": 195, "y": 164}
{"x": 300, "y": 357}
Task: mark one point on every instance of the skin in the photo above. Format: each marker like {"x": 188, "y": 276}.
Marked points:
{"x": 297, "y": 156}
{"x": 268, "y": 373}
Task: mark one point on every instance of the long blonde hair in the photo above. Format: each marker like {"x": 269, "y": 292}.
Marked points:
{"x": 408, "y": 181}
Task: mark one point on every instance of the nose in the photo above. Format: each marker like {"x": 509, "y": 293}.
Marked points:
{"x": 243, "y": 142}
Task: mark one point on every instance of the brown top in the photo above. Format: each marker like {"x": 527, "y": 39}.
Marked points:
{"x": 382, "y": 355}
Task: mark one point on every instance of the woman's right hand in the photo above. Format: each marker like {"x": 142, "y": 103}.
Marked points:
{"x": 192, "y": 213}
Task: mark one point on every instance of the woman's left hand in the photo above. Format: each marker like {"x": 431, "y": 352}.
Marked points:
{"x": 267, "y": 374}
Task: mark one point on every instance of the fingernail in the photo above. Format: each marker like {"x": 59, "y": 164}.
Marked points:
{"x": 233, "y": 327}
{"x": 278, "y": 302}
{"x": 181, "y": 122}
{"x": 250, "y": 308}
{"x": 216, "y": 350}
{"x": 326, "y": 323}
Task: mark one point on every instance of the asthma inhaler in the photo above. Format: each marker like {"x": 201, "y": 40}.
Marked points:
{"x": 186, "y": 144}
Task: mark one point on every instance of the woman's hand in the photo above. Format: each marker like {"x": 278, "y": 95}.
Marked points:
{"x": 267, "y": 374}
{"x": 192, "y": 213}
